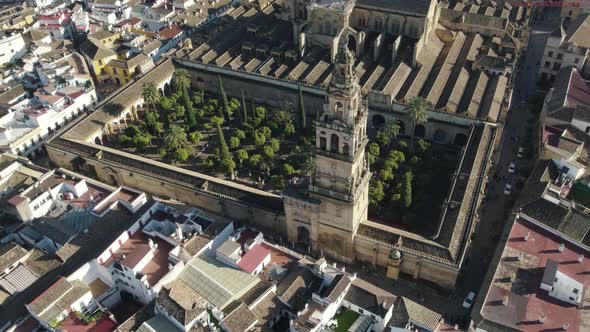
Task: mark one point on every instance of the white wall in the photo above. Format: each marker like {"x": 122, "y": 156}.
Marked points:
{"x": 12, "y": 48}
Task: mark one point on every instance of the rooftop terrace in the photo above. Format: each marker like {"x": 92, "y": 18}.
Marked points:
{"x": 515, "y": 298}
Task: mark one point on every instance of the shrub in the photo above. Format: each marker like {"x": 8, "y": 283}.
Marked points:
{"x": 288, "y": 170}
{"x": 132, "y": 130}
{"x": 162, "y": 152}
{"x": 142, "y": 140}
{"x": 240, "y": 134}
{"x": 422, "y": 146}
{"x": 228, "y": 165}
{"x": 268, "y": 151}
{"x": 386, "y": 175}
{"x": 124, "y": 140}
{"x": 234, "y": 142}
{"x": 376, "y": 193}
{"x": 255, "y": 160}
{"x": 275, "y": 144}
{"x": 180, "y": 154}
{"x": 207, "y": 126}
{"x": 277, "y": 182}
{"x": 196, "y": 137}
{"x": 259, "y": 138}
{"x": 242, "y": 155}
{"x": 374, "y": 149}
{"x": 266, "y": 132}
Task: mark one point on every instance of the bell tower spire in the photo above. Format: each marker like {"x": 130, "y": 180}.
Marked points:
{"x": 341, "y": 178}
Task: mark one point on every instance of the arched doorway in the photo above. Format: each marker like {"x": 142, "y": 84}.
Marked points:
{"x": 420, "y": 131}
{"x": 303, "y": 235}
{"x": 460, "y": 139}
{"x": 97, "y": 140}
{"x": 440, "y": 136}
{"x": 378, "y": 121}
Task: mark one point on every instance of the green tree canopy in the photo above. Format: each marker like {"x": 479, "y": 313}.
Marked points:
{"x": 180, "y": 155}
{"x": 234, "y": 142}
{"x": 175, "y": 139}
{"x": 288, "y": 170}
{"x": 255, "y": 160}
{"x": 242, "y": 155}
{"x": 418, "y": 109}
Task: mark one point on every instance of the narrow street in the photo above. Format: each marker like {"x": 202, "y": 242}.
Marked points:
{"x": 495, "y": 208}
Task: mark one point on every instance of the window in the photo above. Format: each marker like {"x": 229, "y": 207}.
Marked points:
{"x": 576, "y": 291}
{"x": 559, "y": 56}
{"x": 547, "y": 64}
{"x": 587, "y": 130}
{"x": 550, "y": 54}
{"x": 576, "y": 60}
{"x": 361, "y": 311}
{"x": 556, "y": 66}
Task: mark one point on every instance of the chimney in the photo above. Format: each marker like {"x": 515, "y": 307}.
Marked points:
{"x": 566, "y": 326}
{"x": 505, "y": 300}
{"x": 580, "y": 258}
{"x": 561, "y": 247}
{"x": 542, "y": 318}
{"x": 520, "y": 257}
{"x": 527, "y": 235}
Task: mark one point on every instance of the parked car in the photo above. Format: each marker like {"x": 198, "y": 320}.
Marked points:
{"x": 520, "y": 152}
{"x": 507, "y": 189}
{"x": 468, "y": 302}
{"x": 511, "y": 168}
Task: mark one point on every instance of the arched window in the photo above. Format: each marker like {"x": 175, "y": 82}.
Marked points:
{"x": 345, "y": 149}
{"x": 323, "y": 143}
{"x": 334, "y": 143}
{"x": 328, "y": 28}
{"x": 339, "y": 106}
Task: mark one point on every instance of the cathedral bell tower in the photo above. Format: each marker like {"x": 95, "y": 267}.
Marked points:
{"x": 341, "y": 177}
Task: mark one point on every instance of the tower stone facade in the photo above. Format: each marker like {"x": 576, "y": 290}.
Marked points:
{"x": 337, "y": 196}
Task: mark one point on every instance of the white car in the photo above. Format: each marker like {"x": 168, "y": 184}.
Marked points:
{"x": 468, "y": 302}
{"x": 520, "y": 152}
{"x": 507, "y": 189}
{"x": 511, "y": 168}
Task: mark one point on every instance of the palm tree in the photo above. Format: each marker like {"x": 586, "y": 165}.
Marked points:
{"x": 418, "y": 111}
{"x": 150, "y": 96}
{"x": 175, "y": 138}
{"x": 308, "y": 166}
{"x": 181, "y": 79}
{"x": 391, "y": 131}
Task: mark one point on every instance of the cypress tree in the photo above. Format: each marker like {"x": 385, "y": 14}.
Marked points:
{"x": 244, "y": 110}
{"x": 223, "y": 149}
{"x": 253, "y": 108}
{"x": 301, "y": 108}
{"x": 190, "y": 111}
{"x": 223, "y": 96}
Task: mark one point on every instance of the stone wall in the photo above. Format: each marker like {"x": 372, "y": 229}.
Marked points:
{"x": 116, "y": 173}
{"x": 264, "y": 90}
{"x": 377, "y": 253}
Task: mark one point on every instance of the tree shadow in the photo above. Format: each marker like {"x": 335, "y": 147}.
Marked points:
{"x": 113, "y": 109}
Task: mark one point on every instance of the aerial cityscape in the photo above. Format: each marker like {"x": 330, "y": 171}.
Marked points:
{"x": 294, "y": 165}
